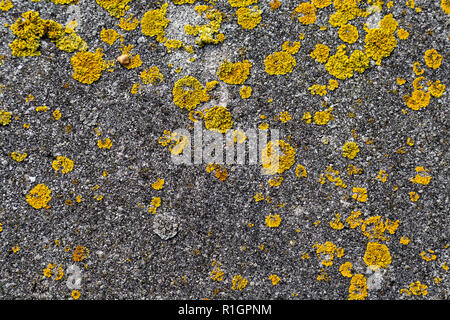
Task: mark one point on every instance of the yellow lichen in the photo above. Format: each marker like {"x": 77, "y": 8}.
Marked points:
{"x": 417, "y": 288}
{"x": 279, "y": 63}
{"x": 422, "y": 176}
{"x": 30, "y": 28}
{"x": 354, "y": 219}
{"x": 445, "y": 5}
{"x": 323, "y": 117}
{"x": 154, "y": 22}
{"x": 218, "y": 119}
{"x": 321, "y": 3}
{"x": 234, "y": 73}
{"x": 348, "y": 33}
{"x": 419, "y": 99}
{"x": 104, "y": 144}
{"x": 173, "y": 44}
{"x": 358, "y": 287}
{"x": 129, "y": 23}
{"x": 300, "y": 171}
{"x": 5, "y": 117}
{"x": 377, "y": 256}
{"x": 241, "y": 3}
{"x": 350, "y": 149}
{"x": 346, "y": 269}
{"x": 291, "y": 47}
{"x": 276, "y": 181}
{"x": 220, "y": 172}
{"x": 249, "y": 18}
{"x": 359, "y": 194}
{"x": 317, "y": 89}
{"x": 332, "y": 84}
{"x": 430, "y": 257}
{"x": 436, "y": 89}
{"x": 109, "y": 36}
{"x": 39, "y": 196}
{"x": 56, "y": 114}
{"x": 358, "y": 61}
{"x": 327, "y": 251}
{"x": 405, "y": 240}
{"x": 320, "y": 53}
{"x": 116, "y": 8}
{"x": 88, "y": 66}
{"x": 239, "y": 283}
{"x": 277, "y": 157}
{"x": 339, "y": 65}
{"x": 380, "y": 42}
{"x": 275, "y": 279}
{"x": 206, "y": 32}
{"x": 19, "y": 157}
{"x": 63, "y": 163}
{"x": 134, "y": 60}
{"x": 245, "y": 92}
{"x": 402, "y": 34}
{"x": 336, "y": 222}
{"x": 307, "y": 13}
{"x": 273, "y": 221}
{"x": 5, "y": 5}
{"x": 433, "y": 59}
{"x": 414, "y": 196}
{"x": 151, "y": 75}
{"x": 188, "y": 92}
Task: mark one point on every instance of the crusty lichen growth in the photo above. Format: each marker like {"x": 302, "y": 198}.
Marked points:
{"x": 348, "y": 33}
{"x": 327, "y": 251}
{"x": 245, "y": 92}
{"x": 277, "y": 157}
{"x": 130, "y": 23}
{"x": 5, "y": 117}
{"x": 152, "y": 75}
{"x": 218, "y": 119}
{"x": 321, "y": 53}
{"x": 377, "y": 256}
{"x": 249, "y": 18}
{"x": 380, "y": 42}
{"x": 39, "y": 196}
{"x": 273, "y": 220}
{"x": 116, "y": 8}
{"x": 109, "y": 36}
{"x": 422, "y": 176}
{"x": 5, "y": 5}
{"x": 323, "y": 117}
{"x": 234, "y": 73}
{"x": 63, "y": 163}
{"x": 104, "y": 144}
{"x": 350, "y": 149}
{"x": 445, "y": 5}
{"x": 207, "y": 33}
{"x": 241, "y": 3}
{"x": 307, "y": 12}
{"x": 279, "y": 63}
{"x": 188, "y": 93}
{"x": 154, "y": 22}
{"x": 17, "y": 156}
{"x": 358, "y": 287}
{"x": 433, "y": 59}
{"x": 31, "y": 28}
{"x": 88, "y": 66}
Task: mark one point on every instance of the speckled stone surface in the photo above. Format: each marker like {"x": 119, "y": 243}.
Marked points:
{"x": 204, "y": 223}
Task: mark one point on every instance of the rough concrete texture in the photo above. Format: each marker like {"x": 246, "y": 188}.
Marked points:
{"x": 205, "y": 226}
